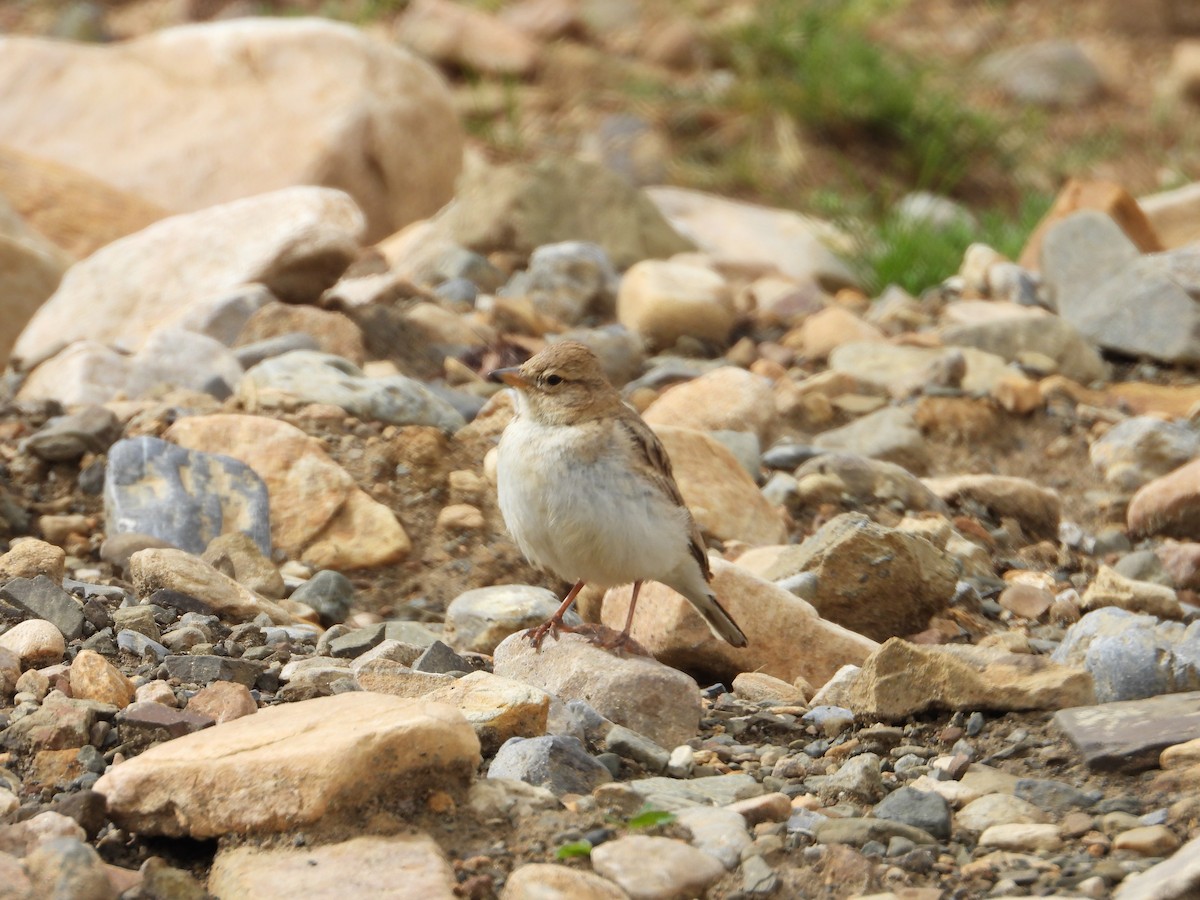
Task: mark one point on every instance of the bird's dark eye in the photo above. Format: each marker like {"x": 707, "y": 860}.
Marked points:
{"x": 553, "y": 380}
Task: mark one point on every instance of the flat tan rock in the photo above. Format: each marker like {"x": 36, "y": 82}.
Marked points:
{"x": 1167, "y": 505}
{"x": 177, "y": 570}
{"x": 293, "y": 765}
{"x": 775, "y": 621}
{"x": 396, "y": 867}
{"x": 901, "y": 679}
{"x": 318, "y": 513}
{"x": 498, "y": 708}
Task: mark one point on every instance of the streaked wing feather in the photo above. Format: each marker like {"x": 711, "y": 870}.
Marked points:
{"x": 658, "y": 470}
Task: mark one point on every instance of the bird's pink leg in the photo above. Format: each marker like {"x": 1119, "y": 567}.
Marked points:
{"x": 555, "y": 623}
{"x": 623, "y": 638}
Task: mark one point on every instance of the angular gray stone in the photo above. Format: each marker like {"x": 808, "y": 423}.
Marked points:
{"x": 205, "y": 669}
{"x": 1050, "y": 336}
{"x": 1132, "y": 656}
{"x": 92, "y": 429}
{"x": 1118, "y": 299}
{"x": 328, "y": 592}
{"x": 568, "y": 281}
{"x": 41, "y": 598}
{"x": 173, "y": 357}
{"x": 522, "y": 207}
{"x": 873, "y": 481}
{"x": 1128, "y": 736}
{"x": 876, "y": 581}
{"x": 710, "y": 790}
{"x": 560, "y": 764}
{"x": 185, "y": 497}
{"x": 439, "y": 659}
{"x": 1142, "y": 448}
{"x": 307, "y": 376}
{"x": 922, "y": 809}
{"x": 890, "y": 434}
{"x": 67, "y": 867}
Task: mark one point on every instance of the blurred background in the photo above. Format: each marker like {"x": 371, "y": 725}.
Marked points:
{"x": 843, "y": 110}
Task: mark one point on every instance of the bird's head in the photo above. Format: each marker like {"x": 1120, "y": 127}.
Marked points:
{"x": 562, "y": 385}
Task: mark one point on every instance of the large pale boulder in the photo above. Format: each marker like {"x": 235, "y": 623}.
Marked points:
{"x": 294, "y": 765}
{"x": 776, "y": 623}
{"x": 723, "y": 498}
{"x": 295, "y": 241}
{"x": 318, "y": 513}
{"x": 202, "y": 114}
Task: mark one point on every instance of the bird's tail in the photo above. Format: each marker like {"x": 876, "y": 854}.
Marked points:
{"x": 719, "y": 622}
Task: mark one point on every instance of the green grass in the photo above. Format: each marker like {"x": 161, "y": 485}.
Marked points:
{"x": 916, "y": 255}
{"x": 815, "y": 62}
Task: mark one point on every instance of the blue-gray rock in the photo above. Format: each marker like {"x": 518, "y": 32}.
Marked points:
{"x": 439, "y": 659}
{"x": 205, "y": 669}
{"x": 329, "y": 593}
{"x": 1132, "y": 656}
{"x": 357, "y": 642}
{"x": 461, "y": 291}
{"x": 568, "y": 281}
{"x": 1143, "y": 565}
{"x": 184, "y": 497}
{"x": 310, "y": 377}
{"x": 1048, "y": 73}
{"x": 139, "y": 645}
{"x": 1141, "y": 448}
{"x": 926, "y": 810}
{"x": 627, "y": 743}
{"x": 252, "y": 354}
{"x": 173, "y": 357}
{"x": 92, "y": 429}
{"x": 1119, "y": 299}
{"x": 890, "y": 434}
{"x": 1012, "y": 337}
{"x": 41, "y": 598}
{"x": 560, "y": 764}
{"x": 1056, "y": 797}
{"x": 788, "y": 455}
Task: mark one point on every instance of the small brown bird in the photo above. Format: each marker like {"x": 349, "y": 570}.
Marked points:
{"x": 586, "y": 491}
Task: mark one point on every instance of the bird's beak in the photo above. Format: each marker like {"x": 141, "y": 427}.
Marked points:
{"x": 511, "y": 376}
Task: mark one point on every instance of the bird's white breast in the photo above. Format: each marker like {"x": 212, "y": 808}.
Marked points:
{"x": 574, "y": 505}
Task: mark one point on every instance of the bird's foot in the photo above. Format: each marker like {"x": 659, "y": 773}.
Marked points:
{"x": 551, "y": 626}
{"x": 620, "y": 642}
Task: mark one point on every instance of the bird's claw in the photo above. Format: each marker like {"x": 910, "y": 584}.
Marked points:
{"x": 551, "y": 626}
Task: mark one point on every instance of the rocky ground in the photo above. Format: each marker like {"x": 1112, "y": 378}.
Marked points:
{"x": 260, "y": 621}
